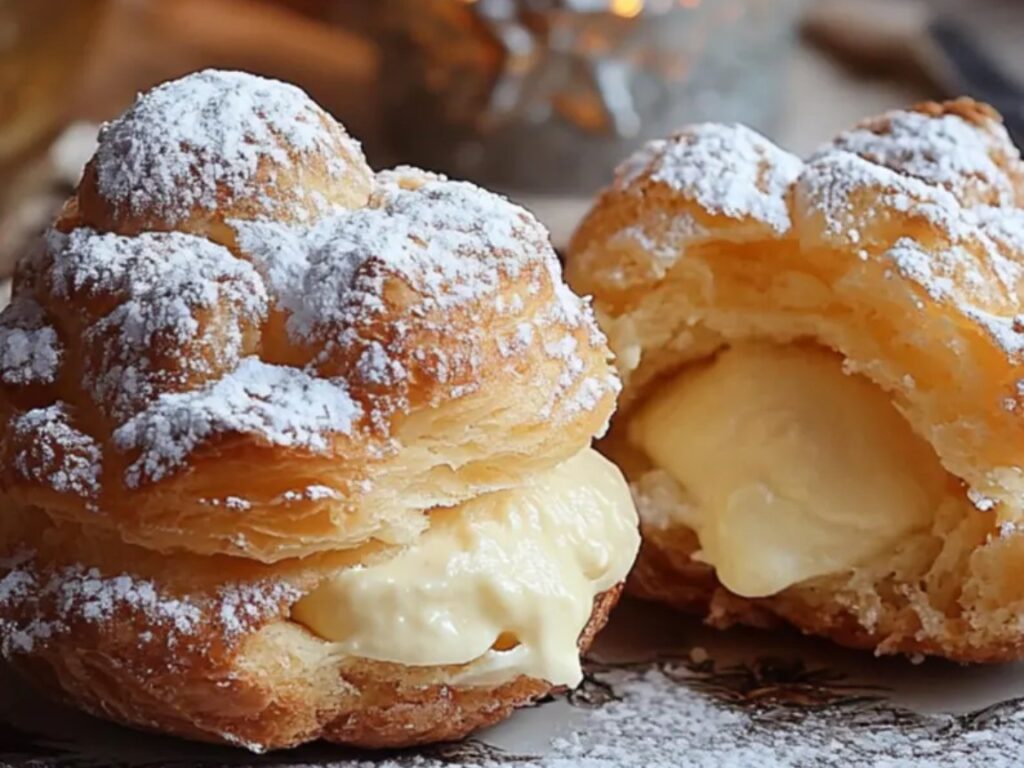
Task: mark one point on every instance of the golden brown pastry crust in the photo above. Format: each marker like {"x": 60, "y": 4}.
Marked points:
{"x": 242, "y": 362}
{"x": 901, "y": 246}
{"x": 354, "y": 702}
{"x": 431, "y": 329}
{"x": 204, "y": 648}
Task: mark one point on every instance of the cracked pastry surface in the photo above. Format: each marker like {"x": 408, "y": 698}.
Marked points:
{"x": 262, "y": 407}
{"x": 822, "y": 365}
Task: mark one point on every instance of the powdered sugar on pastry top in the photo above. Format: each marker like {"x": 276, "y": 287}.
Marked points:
{"x": 30, "y": 351}
{"x": 178, "y": 340}
{"x": 940, "y": 162}
{"x": 954, "y": 167}
{"x": 173, "y": 308}
{"x": 846, "y": 190}
{"x": 450, "y": 245}
{"x": 967, "y": 159}
{"x": 46, "y": 603}
{"x": 728, "y": 170}
{"x": 450, "y": 242}
{"x": 53, "y": 453}
{"x": 283, "y": 405}
{"x": 194, "y": 142}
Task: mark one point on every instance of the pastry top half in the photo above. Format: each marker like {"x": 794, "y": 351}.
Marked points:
{"x": 233, "y": 295}
{"x": 823, "y": 365}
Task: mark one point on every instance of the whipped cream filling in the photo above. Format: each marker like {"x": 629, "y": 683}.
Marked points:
{"x": 506, "y": 580}
{"x": 786, "y": 467}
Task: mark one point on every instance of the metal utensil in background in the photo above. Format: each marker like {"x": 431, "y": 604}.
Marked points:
{"x": 915, "y": 40}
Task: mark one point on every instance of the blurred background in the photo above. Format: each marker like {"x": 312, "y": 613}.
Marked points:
{"x": 535, "y": 98}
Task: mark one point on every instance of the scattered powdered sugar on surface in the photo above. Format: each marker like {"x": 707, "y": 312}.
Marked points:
{"x": 318, "y": 492}
{"x": 953, "y": 273}
{"x": 376, "y": 367}
{"x": 1006, "y": 332}
{"x": 170, "y": 322}
{"x": 282, "y": 405}
{"x": 688, "y": 712}
{"x": 30, "y": 351}
{"x": 453, "y": 244}
{"x": 187, "y": 142}
{"x": 165, "y": 358}
{"x": 726, "y": 169}
{"x": 160, "y": 283}
{"x": 935, "y": 273}
{"x": 280, "y": 252}
{"x": 980, "y": 500}
{"x": 658, "y": 722}
{"x": 235, "y": 503}
{"x": 655, "y": 715}
{"x": 52, "y": 452}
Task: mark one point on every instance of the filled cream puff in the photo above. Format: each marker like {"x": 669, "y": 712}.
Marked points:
{"x": 822, "y": 416}
{"x": 293, "y": 450}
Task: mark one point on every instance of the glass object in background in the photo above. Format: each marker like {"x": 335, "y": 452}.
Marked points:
{"x": 42, "y": 44}
{"x": 545, "y": 96}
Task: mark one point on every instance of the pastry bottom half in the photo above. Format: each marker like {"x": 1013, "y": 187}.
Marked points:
{"x": 281, "y": 688}
{"x": 380, "y": 646}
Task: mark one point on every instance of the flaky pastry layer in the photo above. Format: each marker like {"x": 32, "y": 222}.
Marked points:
{"x": 232, "y": 286}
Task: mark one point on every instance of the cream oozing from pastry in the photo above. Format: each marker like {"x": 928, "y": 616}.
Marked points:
{"x": 786, "y": 467}
{"x": 507, "y": 580}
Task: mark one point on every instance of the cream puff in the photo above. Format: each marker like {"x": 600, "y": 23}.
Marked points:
{"x": 293, "y": 450}
{"x": 823, "y": 367}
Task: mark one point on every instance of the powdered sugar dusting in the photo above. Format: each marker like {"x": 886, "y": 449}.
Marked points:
{"x": 450, "y": 242}
{"x": 932, "y": 163}
{"x": 241, "y": 606}
{"x": 832, "y": 184}
{"x": 49, "y": 450}
{"x": 279, "y": 405}
{"x": 656, "y": 719}
{"x": 48, "y": 603}
{"x": 1005, "y": 227}
{"x": 280, "y": 253}
{"x": 30, "y": 351}
{"x": 955, "y": 174}
{"x": 673, "y": 233}
{"x": 945, "y": 273}
{"x": 1006, "y": 331}
{"x": 941, "y": 150}
{"x": 191, "y": 143}
{"x": 173, "y": 331}
{"x": 153, "y": 340}
{"x": 78, "y": 593}
{"x": 727, "y": 169}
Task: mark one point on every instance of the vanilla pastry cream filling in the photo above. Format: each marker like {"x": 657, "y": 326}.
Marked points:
{"x": 506, "y": 580}
{"x": 786, "y": 467}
